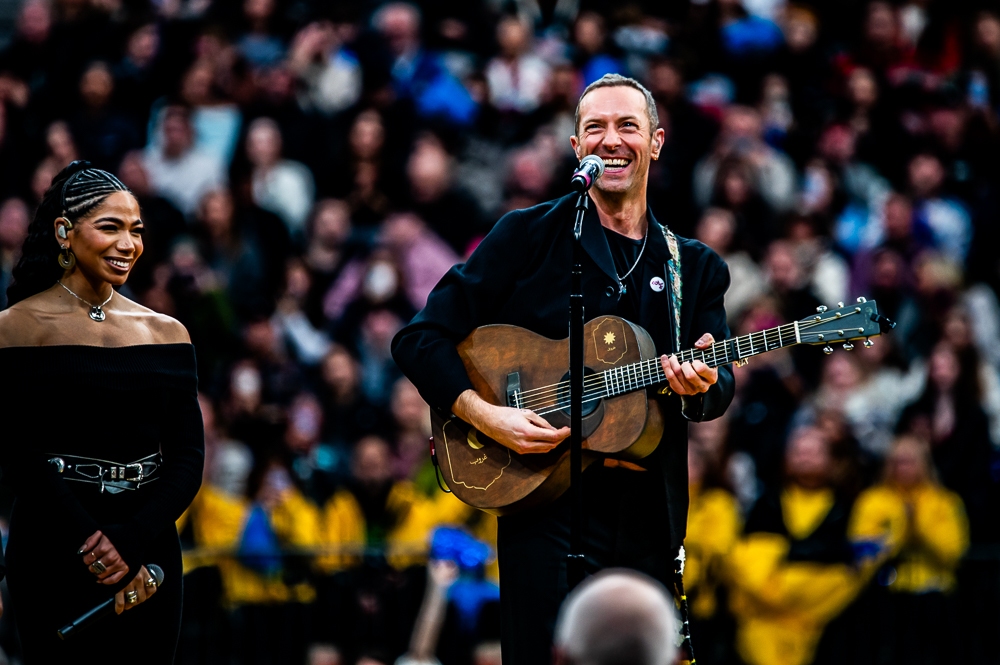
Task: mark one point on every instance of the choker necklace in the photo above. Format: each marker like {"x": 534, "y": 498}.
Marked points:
{"x": 96, "y": 313}
{"x": 621, "y": 278}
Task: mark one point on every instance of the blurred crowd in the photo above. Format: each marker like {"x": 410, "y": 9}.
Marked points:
{"x": 308, "y": 170}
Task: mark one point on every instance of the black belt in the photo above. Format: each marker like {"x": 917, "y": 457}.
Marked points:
{"x": 112, "y": 476}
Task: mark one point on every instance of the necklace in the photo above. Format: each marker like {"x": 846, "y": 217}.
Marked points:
{"x": 96, "y": 313}
{"x": 621, "y": 278}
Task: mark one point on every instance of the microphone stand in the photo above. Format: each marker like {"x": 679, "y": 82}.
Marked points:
{"x": 575, "y": 559}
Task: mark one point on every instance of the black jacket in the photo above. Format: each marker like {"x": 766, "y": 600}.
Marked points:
{"x": 520, "y": 275}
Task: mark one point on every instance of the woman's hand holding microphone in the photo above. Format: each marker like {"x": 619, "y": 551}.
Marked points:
{"x": 137, "y": 592}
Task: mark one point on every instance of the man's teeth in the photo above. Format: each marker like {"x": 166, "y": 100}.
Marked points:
{"x": 120, "y": 264}
{"x": 614, "y": 163}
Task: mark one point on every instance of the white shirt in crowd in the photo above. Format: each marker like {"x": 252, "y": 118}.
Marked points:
{"x": 186, "y": 179}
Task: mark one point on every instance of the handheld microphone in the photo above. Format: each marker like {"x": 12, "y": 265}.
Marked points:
{"x": 591, "y": 168}
{"x": 106, "y": 608}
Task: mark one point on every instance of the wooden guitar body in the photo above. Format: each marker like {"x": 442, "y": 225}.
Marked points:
{"x": 505, "y": 364}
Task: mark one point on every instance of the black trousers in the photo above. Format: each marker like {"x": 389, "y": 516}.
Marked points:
{"x": 626, "y": 527}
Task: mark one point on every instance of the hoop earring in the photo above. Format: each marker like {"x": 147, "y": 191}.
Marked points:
{"x": 66, "y": 259}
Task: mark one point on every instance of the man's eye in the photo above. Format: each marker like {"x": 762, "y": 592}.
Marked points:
{"x": 139, "y": 230}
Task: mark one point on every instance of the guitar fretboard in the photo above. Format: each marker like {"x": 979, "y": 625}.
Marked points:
{"x": 844, "y": 324}
{"x": 645, "y": 373}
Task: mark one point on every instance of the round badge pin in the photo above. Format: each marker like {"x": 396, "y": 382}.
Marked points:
{"x": 657, "y": 284}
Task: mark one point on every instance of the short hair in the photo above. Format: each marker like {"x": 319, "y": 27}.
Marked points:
{"x": 618, "y": 617}
{"x": 379, "y": 17}
{"x": 619, "y": 81}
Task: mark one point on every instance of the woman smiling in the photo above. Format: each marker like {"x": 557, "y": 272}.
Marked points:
{"x": 105, "y": 394}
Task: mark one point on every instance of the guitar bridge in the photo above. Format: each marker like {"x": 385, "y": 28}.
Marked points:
{"x": 514, "y": 390}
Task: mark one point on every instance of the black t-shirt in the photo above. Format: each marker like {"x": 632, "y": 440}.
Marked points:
{"x": 626, "y": 252}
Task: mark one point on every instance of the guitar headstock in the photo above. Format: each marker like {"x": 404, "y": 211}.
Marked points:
{"x": 844, "y": 324}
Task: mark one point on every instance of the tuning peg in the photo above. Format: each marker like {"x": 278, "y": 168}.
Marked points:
{"x": 827, "y": 349}
{"x": 869, "y": 344}
{"x": 821, "y": 309}
{"x": 848, "y": 346}
{"x": 884, "y": 324}
{"x": 840, "y": 305}
{"x": 862, "y": 299}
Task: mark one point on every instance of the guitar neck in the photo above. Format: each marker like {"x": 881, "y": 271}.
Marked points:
{"x": 646, "y": 373}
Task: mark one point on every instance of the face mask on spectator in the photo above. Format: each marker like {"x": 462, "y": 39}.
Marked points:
{"x": 380, "y": 282}
{"x": 246, "y": 382}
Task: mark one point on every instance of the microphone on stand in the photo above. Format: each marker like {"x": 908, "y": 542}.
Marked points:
{"x": 106, "y": 608}
{"x": 591, "y": 168}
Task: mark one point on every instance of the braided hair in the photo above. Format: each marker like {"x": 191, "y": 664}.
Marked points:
{"x": 74, "y": 192}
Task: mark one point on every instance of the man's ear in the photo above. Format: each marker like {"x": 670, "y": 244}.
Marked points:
{"x": 659, "y": 137}
{"x": 575, "y": 142}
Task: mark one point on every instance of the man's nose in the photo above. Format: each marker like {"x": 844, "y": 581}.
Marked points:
{"x": 611, "y": 139}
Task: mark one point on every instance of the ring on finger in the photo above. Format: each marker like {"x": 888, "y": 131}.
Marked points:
{"x": 132, "y": 597}
{"x": 97, "y": 567}
{"x": 151, "y": 582}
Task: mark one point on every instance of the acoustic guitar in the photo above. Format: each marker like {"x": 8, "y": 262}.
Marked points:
{"x": 511, "y": 366}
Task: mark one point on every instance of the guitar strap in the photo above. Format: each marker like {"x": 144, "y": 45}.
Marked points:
{"x": 674, "y": 270}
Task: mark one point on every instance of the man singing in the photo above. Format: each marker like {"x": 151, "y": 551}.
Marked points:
{"x": 520, "y": 275}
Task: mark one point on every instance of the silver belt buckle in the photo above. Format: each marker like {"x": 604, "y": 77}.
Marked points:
{"x": 134, "y": 465}
{"x": 99, "y": 476}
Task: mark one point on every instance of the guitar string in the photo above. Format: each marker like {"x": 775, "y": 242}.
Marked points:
{"x": 637, "y": 374}
{"x": 770, "y": 336}
{"x": 717, "y": 349}
{"x": 651, "y": 368}
{"x": 648, "y": 372}
{"x": 587, "y": 399}
{"x": 648, "y": 368}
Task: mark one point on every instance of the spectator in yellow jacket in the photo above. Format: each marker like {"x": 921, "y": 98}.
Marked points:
{"x": 714, "y": 526}
{"x": 922, "y": 529}
{"x": 252, "y": 537}
{"x": 791, "y": 572}
{"x": 375, "y": 511}
{"x": 371, "y": 521}
{"x": 260, "y": 531}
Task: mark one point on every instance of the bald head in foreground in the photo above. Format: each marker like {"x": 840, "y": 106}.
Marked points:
{"x": 617, "y": 617}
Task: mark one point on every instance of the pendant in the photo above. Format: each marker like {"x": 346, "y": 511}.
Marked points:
{"x": 621, "y": 288}
{"x": 97, "y": 314}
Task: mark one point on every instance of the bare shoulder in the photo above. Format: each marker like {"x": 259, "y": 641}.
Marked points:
{"x": 19, "y": 324}
{"x": 168, "y": 330}
{"x": 161, "y": 329}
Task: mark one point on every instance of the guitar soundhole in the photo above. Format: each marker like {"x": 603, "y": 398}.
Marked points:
{"x": 590, "y": 404}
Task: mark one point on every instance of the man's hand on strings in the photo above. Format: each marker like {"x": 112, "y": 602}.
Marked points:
{"x": 521, "y": 430}
{"x": 690, "y": 378}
